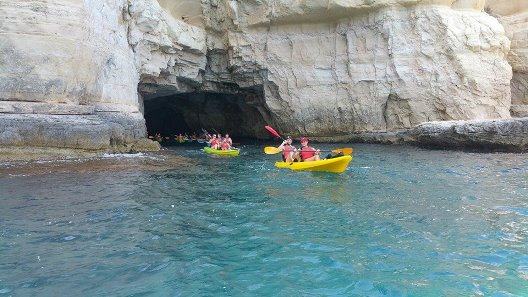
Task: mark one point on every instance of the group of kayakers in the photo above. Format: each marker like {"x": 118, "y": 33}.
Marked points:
{"x": 217, "y": 142}
{"x": 292, "y": 154}
{"x": 178, "y": 137}
{"x": 304, "y": 158}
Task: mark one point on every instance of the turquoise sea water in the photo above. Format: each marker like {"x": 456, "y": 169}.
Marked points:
{"x": 400, "y": 221}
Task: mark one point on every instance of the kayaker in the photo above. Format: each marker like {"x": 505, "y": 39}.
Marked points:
{"x": 289, "y": 152}
{"x": 158, "y": 137}
{"x": 308, "y": 153}
{"x": 228, "y": 140}
{"x": 225, "y": 146}
{"x": 213, "y": 143}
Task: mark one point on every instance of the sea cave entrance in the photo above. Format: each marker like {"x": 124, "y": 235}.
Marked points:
{"x": 241, "y": 115}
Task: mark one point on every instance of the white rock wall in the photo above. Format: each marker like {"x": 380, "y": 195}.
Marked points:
{"x": 387, "y": 69}
{"x": 513, "y": 14}
{"x": 170, "y": 54}
{"x": 84, "y": 60}
{"x": 117, "y": 77}
{"x": 43, "y": 54}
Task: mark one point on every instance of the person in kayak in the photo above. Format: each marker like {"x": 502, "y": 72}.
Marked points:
{"x": 179, "y": 138}
{"x": 228, "y": 140}
{"x": 214, "y": 143}
{"x": 225, "y": 146}
{"x": 289, "y": 152}
{"x": 308, "y": 153}
{"x": 158, "y": 137}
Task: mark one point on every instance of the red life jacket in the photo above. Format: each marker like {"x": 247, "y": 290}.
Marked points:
{"x": 307, "y": 152}
{"x": 225, "y": 145}
{"x": 286, "y": 150}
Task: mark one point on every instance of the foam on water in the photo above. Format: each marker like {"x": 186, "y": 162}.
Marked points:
{"x": 134, "y": 155}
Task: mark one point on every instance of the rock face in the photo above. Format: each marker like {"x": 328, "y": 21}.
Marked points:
{"x": 513, "y": 14}
{"x": 45, "y": 63}
{"x": 485, "y": 135}
{"x": 319, "y": 68}
{"x": 384, "y": 69}
{"x": 74, "y": 66}
{"x": 169, "y": 53}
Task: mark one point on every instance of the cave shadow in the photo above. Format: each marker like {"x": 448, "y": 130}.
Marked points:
{"x": 191, "y": 113}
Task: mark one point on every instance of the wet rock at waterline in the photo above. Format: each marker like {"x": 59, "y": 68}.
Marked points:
{"x": 321, "y": 68}
{"x": 486, "y": 135}
{"x": 101, "y": 132}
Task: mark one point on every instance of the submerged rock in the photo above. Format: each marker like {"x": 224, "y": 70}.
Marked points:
{"x": 81, "y": 162}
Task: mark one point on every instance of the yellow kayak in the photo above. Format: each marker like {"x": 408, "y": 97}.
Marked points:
{"x": 335, "y": 165}
{"x": 232, "y": 153}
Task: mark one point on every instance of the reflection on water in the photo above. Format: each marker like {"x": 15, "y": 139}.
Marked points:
{"x": 401, "y": 221}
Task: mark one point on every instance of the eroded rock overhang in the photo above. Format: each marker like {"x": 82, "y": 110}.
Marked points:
{"x": 384, "y": 66}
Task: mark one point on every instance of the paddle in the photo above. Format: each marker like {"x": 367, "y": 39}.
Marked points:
{"x": 273, "y": 132}
{"x": 344, "y": 151}
{"x": 270, "y": 150}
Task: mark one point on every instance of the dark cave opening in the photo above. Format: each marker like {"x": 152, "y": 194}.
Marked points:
{"x": 240, "y": 115}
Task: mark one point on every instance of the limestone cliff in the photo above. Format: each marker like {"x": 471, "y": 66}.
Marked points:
{"x": 71, "y": 69}
{"x": 76, "y": 73}
{"x": 513, "y": 14}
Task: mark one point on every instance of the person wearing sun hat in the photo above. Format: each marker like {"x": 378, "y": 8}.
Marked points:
{"x": 308, "y": 153}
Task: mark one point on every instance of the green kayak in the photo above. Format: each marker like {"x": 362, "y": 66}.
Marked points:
{"x": 232, "y": 153}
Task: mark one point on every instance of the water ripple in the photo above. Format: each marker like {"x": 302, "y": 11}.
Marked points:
{"x": 400, "y": 222}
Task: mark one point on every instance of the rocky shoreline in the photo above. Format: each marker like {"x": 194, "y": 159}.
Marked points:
{"x": 505, "y": 135}
{"x": 35, "y": 136}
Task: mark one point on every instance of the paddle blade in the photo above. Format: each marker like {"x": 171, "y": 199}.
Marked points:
{"x": 272, "y": 131}
{"x": 270, "y": 150}
{"x": 344, "y": 151}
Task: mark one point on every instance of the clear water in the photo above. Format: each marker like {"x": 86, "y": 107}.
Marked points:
{"x": 400, "y": 222}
